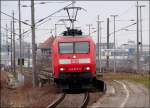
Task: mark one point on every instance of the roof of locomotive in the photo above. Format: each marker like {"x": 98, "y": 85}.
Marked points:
{"x": 73, "y": 38}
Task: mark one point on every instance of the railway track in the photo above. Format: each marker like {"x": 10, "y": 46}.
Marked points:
{"x": 62, "y": 98}
{"x": 57, "y": 101}
{"x": 86, "y": 100}
{"x": 45, "y": 73}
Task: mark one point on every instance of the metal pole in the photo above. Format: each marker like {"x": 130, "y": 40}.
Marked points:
{"x": 28, "y": 56}
{"x": 7, "y": 46}
{"x": 34, "y": 74}
{"x": 107, "y": 63}
{"x": 141, "y": 50}
{"x": 11, "y": 46}
{"x": 114, "y": 47}
{"x": 14, "y": 53}
{"x": 20, "y": 38}
{"x": 114, "y": 16}
{"x": 149, "y": 43}
{"x": 73, "y": 3}
{"x": 98, "y": 44}
{"x": 22, "y": 46}
{"x": 7, "y": 39}
{"x": 137, "y": 55}
{"x": 55, "y": 30}
{"x": 89, "y": 27}
{"x": 141, "y": 31}
{"x": 0, "y": 36}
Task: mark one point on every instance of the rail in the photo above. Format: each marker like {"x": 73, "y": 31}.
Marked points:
{"x": 57, "y": 101}
{"x": 85, "y": 101}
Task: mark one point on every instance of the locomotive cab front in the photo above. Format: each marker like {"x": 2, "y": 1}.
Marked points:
{"x": 74, "y": 60}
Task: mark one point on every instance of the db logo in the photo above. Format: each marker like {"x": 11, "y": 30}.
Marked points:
{"x": 74, "y": 61}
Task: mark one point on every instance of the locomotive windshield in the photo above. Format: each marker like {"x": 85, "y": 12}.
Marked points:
{"x": 66, "y": 48}
{"x": 73, "y": 47}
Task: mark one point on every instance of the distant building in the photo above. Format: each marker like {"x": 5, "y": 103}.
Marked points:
{"x": 145, "y": 50}
{"x": 45, "y": 47}
{"x": 130, "y": 47}
{"x": 124, "y": 51}
{"x": 103, "y": 47}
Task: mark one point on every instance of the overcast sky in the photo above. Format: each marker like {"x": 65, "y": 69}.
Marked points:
{"x": 126, "y": 11}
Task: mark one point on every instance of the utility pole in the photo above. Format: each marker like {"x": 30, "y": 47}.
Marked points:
{"x": 141, "y": 49}
{"x": 55, "y": 30}
{"x": 29, "y": 56}
{"x": 114, "y": 16}
{"x": 7, "y": 46}
{"x": 89, "y": 26}
{"x": 34, "y": 74}
{"x": 107, "y": 63}
{"x": 23, "y": 50}
{"x": 137, "y": 55}
{"x": 20, "y": 43}
{"x": 99, "y": 43}
{"x": 11, "y": 46}
{"x": 149, "y": 44}
{"x": 14, "y": 53}
{"x": 0, "y": 36}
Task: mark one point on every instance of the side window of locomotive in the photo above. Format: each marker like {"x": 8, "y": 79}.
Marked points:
{"x": 81, "y": 47}
{"x": 65, "y": 48}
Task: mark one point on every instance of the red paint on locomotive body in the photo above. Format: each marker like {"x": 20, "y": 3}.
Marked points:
{"x": 73, "y": 62}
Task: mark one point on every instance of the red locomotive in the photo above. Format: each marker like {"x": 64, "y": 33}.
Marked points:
{"x": 74, "y": 60}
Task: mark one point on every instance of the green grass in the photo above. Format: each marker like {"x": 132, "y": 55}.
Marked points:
{"x": 143, "y": 79}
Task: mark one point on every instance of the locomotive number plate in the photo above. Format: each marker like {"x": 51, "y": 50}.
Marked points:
{"x": 74, "y": 60}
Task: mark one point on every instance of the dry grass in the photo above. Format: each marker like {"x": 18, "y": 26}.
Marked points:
{"x": 25, "y": 96}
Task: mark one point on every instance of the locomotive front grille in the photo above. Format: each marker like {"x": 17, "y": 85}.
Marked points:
{"x": 66, "y": 75}
{"x": 74, "y": 69}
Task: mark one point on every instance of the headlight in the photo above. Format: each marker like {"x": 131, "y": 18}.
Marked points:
{"x": 87, "y": 68}
{"x": 62, "y": 69}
